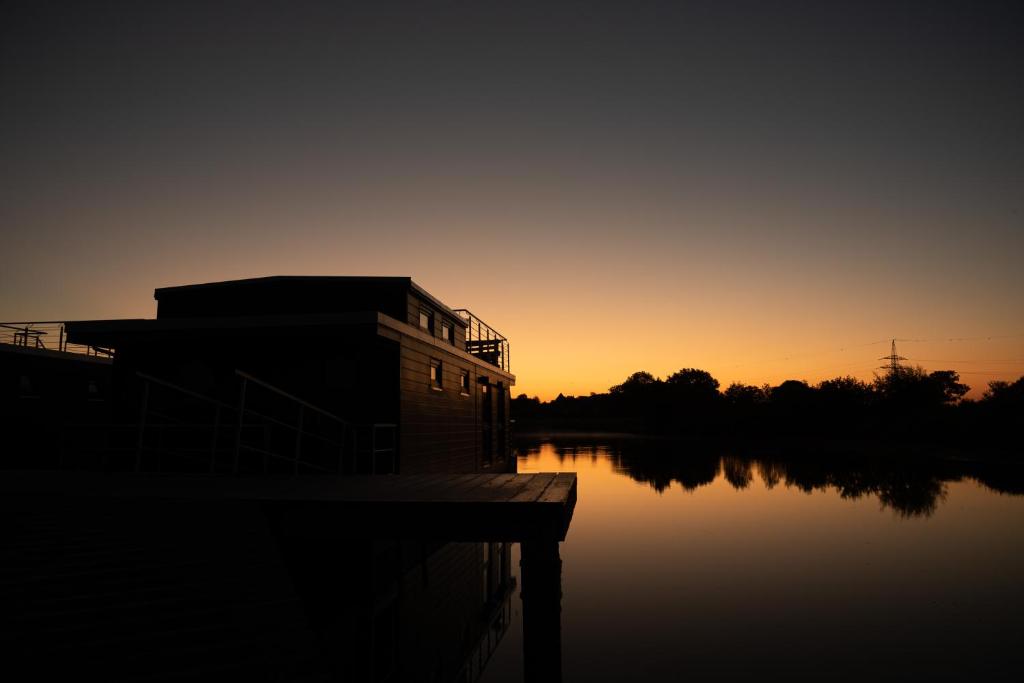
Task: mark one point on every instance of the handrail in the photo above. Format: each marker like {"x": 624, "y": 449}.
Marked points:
{"x": 485, "y": 342}
{"x": 188, "y": 392}
{"x": 296, "y": 399}
{"x": 176, "y": 426}
{"x": 469, "y": 315}
{"x": 56, "y": 334}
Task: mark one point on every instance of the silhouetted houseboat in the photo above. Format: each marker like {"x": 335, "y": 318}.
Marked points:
{"x": 45, "y": 381}
{"x": 285, "y": 371}
{"x": 332, "y": 578}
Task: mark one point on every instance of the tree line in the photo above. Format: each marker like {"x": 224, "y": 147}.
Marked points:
{"x": 905, "y": 403}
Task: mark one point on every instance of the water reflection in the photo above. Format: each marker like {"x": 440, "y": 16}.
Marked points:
{"x": 910, "y": 486}
{"x": 702, "y": 563}
{"x": 389, "y": 610}
{"x": 171, "y": 590}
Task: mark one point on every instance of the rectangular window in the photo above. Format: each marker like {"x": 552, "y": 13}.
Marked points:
{"x": 435, "y": 374}
{"x": 426, "y": 321}
{"x": 446, "y": 332}
{"x": 464, "y": 383}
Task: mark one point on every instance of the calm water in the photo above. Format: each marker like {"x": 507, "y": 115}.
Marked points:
{"x": 683, "y": 564}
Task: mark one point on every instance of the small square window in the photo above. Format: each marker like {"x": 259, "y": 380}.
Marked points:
{"x": 446, "y": 332}
{"x": 464, "y": 382}
{"x": 426, "y": 321}
{"x": 436, "y": 374}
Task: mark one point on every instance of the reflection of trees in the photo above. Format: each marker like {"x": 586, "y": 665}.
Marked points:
{"x": 910, "y": 486}
{"x": 771, "y": 473}
{"x": 738, "y": 471}
{"x": 912, "y": 498}
{"x": 660, "y": 472}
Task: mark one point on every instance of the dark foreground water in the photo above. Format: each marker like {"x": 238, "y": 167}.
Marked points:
{"x": 691, "y": 564}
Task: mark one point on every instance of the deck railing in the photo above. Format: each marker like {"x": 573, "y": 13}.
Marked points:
{"x": 47, "y": 335}
{"x": 267, "y": 431}
{"x": 484, "y": 342}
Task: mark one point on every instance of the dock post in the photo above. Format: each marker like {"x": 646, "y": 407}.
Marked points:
{"x": 541, "y": 573}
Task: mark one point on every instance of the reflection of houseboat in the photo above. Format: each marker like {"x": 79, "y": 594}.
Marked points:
{"x": 123, "y": 590}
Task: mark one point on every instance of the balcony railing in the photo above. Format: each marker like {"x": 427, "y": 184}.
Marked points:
{"x": 48, "y": 335}
{"x": 484, "y": 342}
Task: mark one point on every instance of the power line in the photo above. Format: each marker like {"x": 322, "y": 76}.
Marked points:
{"x": 948, "y": 360}
{"x": 981, "y": 372}
{"x": 961, "y": 339}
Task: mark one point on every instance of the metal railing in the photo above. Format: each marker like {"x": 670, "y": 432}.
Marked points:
{"x": 48, "y": 335}
{"x": 484, "y": 342}
{"x": 267, "y": 431}
{"x": 314, "y": 439}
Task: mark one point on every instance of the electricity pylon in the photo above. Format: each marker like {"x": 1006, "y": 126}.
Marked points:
{"x": 894, "y": 359}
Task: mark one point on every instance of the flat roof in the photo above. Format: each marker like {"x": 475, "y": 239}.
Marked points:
{"x": 405, "y": 282}
{"x": 355, "y": 279}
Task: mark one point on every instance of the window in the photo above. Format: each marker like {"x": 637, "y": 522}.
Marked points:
{"x": 426, "y": 321}
{"x": 464, "y": 382}
{"x": 435, "y": 375}
{"x": 446, "y": 332}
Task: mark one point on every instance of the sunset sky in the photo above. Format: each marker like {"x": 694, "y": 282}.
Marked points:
{"x": 764, "y": 192}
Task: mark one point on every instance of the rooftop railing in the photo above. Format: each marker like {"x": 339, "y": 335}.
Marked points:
{"x": 484, "y": 342}
{"x": 47, "y": 335}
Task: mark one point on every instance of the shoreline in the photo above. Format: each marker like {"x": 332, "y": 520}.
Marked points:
{"x": 790, "y": 447}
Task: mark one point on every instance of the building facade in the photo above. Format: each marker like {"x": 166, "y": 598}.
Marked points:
{"x": 361, "y": 351}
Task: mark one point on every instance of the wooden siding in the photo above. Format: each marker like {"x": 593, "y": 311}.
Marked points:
{"x": 416, "y": 304}
{"x": 442, "y": 430}
{"x": 438, "y": 429}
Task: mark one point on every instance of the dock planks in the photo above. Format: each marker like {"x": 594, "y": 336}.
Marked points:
{"x": 451, "y": 507}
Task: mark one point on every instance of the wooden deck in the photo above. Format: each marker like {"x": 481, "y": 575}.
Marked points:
{"x": 449, "y": 507}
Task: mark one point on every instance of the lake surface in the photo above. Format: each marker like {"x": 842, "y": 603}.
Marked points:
{"x": 685, "y": 563}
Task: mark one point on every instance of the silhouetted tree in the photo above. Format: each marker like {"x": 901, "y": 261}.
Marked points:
{"x": 907, "y": 403}
{"x": 790, "y": 407}
{"x": 913, "y": 387}
{"x": 692, "y": 401}
{"x": 693, "y": 382}
{"x": 635, "y": 383}
{"x": 842, "y": 406}
{"x": 848, "y": 391}
{"x": 745, "y": 395}
{"x": 1007, "y": 393}
{"x": 947, "y": 384}
{"x": 998, "y": 414}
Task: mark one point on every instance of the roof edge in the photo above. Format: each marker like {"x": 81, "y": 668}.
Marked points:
{"x": 283, "y": 278}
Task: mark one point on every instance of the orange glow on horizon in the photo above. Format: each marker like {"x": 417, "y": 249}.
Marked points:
{"x": 581, "y": 313}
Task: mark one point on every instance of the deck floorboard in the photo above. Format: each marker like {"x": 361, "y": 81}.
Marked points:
{"x": 475, "y": 506}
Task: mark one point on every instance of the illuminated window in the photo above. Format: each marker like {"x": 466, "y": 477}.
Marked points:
{"x": 464, "y": 382}
{"x": 426, "y": 321}
{"x": 435, "y": 374}
{"x": 446, "y": 332}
